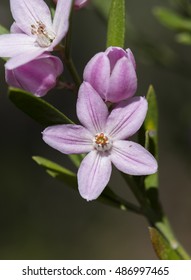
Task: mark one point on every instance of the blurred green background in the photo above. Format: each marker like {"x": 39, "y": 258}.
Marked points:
{"x": 41, "y": 218}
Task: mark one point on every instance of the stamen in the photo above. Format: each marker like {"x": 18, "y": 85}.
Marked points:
{"x": 102, "y": 142}
{"x": 44, "y": 37}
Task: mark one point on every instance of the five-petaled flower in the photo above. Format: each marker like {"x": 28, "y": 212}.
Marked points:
{"x": 103, "y": 136}
{"x": 33, "y": 31}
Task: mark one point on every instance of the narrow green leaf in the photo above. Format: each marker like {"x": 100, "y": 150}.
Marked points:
{"x": 172, "y": 20}
{"x": 151, "y": 122}
{"x": 38, "y": 109}
{"x": 57, "y": 171}
{"x": 116, "y": 24}
{"x": 162, "y": 248}
{"x": 151, "y": 134}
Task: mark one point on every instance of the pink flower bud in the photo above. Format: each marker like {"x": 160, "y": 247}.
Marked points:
{"x": 112, "y": 74}
{"x": 37, "y": 76}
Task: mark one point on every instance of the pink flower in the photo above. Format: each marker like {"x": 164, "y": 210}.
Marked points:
{"x": 112, "y": 74}
{"x": 37, "y": 76}
{"x": 103, "y": 136}
{"x": 37, "y": 33}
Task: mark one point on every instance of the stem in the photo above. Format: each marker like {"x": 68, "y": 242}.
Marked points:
{"x": 156, "y": 217}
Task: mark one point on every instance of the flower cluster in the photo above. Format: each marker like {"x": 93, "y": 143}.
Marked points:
{"x": 109, "y": 76}
{"x": 33, "y": 36}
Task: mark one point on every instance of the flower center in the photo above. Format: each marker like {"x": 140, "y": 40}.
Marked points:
{"x": 101, "y": 142}
{"x": 44, "y": 37}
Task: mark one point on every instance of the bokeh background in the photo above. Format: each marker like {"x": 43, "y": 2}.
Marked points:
{"x": 41, "y": 218}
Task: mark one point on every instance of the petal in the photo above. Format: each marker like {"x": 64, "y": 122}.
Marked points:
{"x": 93, "y": 175}
{"x": 14, "y": 44}
{"x": 15, "y": 28}
{"x": 97, "y": 73}
{"x": 132, "y": 158}
{"x": 123, "y": 81}
{"x": 114, "y": 54}
{"x": 131, "y": 57}
{"x": 126, "y": 118}
{"x": 37, "y": 76}
{"x": 91, "y": 110}
{"x": 68, "y": 139}
{"x": 26, "y": 13}
{"x": 23, "y": 58}
{"x": 61, "y": 19}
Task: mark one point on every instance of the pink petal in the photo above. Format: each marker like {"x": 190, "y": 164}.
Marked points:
{"x": 126, "y": 118}
{"x": 26, "y": 13}
{"x": 114, "y": 54}
{"x": 93, "y": 175}
{"x": 15, "y": 44}
{"x": 23, "y": 58}
{"x": 61, "y": 19}
{"x": 68, "y": 139}
{"x": 131, "y": 158}
{"x": 131, "y": 57}
{"x": 123, "y": 81}
{"x": 37, "y": 76}
{"x": 15, "y": 28}
{"x": 97, "y": 73}
{"x": 91, "y": 110}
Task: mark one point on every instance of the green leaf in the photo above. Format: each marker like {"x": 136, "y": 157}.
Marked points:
{"x": 57, "y": 171}
{"x": 116, "y": 24}
{"x": 148, "y": 134}
{"x": 172, "y": 20}
{"x": 38, "y": 109}
{"x": 151, "y": 122}
{"x": 151, "y": 134}
{"x": 162, "y": 248}
{"x": 3, "y": 30}
{"x": 148, "y": 137}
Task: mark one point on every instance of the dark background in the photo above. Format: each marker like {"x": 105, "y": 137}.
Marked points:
{"x": 41, "y": 218}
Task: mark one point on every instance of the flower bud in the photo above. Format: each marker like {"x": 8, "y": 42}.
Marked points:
{"x": 37, "y": 76}
{"x": 112, "y": 74}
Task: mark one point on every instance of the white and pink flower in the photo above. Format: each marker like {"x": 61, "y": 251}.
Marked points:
{"x": 103, "y": 136}
{"x": 34, "y": 31}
